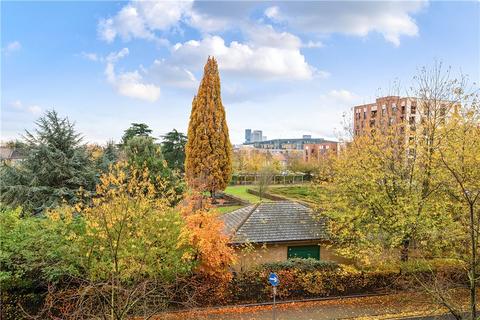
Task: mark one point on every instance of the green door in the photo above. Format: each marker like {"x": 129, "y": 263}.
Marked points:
{"x": 304, "y": 252}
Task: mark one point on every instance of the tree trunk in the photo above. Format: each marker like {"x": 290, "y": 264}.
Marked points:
{"x": 212, "y": 195}
{"x": 405, "y": 249}
{"x": 473, "y": 266}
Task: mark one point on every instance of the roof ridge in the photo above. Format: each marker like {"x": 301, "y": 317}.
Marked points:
{"x": 245, "y": 219}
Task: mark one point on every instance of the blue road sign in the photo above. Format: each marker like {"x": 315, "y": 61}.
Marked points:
{"x": 273, "y": 279}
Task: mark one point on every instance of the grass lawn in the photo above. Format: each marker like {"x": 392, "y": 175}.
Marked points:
{"x": 227, "y": 209}
{"x": 304, "y": 192}
{"x": 241, "y": 192}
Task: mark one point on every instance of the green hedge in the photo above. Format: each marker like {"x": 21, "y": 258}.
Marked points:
{"x": 300, "y": 264}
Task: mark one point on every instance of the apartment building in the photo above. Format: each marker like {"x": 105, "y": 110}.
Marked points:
{"x": 384, "y": 113}
{"x": 317, "y": 151}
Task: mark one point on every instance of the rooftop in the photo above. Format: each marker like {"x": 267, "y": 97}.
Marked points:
{"x": 278, "y": 221}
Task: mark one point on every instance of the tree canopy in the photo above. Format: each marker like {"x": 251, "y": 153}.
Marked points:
{"x": 173, "y": 149}
{"x": 57, "y": 168}
{"x": 136, "y": 130}
{"x": 208, "y": 163}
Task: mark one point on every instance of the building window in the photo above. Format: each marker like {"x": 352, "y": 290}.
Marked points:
{"x": 304, "y": 252}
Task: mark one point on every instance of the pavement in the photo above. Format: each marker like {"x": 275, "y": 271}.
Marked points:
{"x": 414, "y": 306}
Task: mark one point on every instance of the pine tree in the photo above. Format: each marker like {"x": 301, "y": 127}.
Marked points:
{"x": 208, "y": 163}
{"x": 136, "y": 130}
{"x": 173, "y": 149}
{"x": 56, "y": 168}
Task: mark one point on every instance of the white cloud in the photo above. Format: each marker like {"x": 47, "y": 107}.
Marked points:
{"x": 313, "y": 44}
{"x": 240, "y": 58}
{"x": 172, "y": 75}
{"x": 12, "y": 47}
{"x": 143, "y": 19}
{"x": 272, "y": 12}
{"x": 17, "y": 104}
{"x": 265, "y": 35}
{"x": 342, "y": 95}
{"x": 392, "y": 19}
{"x": 34, "y": 109}
{"x": 115, "y": 56}
{"x": 140, "y": 19}
{"x": 90, "y": 56}
{"x": 129, "y": 84}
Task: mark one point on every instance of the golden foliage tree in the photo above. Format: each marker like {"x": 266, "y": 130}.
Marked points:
{"x": 132, "y": 248}
{"x": 208, "y": 163}
{"x": 385, "y": 194}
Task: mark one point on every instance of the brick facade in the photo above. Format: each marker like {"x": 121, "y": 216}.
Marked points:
{"x": 317, "y": 151}
{"x": 385, "y": 113}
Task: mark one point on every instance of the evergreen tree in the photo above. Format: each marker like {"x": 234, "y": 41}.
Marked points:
{"x": 208, "y": 163}
{"x": 173, "y": 149}
{"x": 56, "y": 168}
{"x": 136, "y": 130}
{"x": 142, "y": 152}
{"x": 109, "y": 156}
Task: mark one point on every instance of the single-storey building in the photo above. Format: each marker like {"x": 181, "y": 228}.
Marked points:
{"x": 276, "y": 231}
{"x": 10, "y": 155}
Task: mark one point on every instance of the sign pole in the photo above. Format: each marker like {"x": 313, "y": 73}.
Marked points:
{"x": 274, "y": 294}
{"x": 274, "y": 281}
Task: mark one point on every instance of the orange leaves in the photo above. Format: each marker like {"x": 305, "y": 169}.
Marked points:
{"x": 204, "y": 232}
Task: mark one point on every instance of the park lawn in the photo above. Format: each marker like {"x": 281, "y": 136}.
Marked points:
{"x": 228, "y": 209}
{"x": 305, "y": 192}
{"x": 241, "y": 192}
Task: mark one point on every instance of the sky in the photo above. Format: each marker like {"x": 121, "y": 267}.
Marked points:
{"x": 288, "y": 68}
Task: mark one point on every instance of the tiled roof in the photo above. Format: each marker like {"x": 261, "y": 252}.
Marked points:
{"x": 233, "y": 220}
{"x": 7, "y": 153}
{"x": 274, "y": 222}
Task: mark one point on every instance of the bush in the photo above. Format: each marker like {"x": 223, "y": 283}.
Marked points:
{"x": 37, "y": 251}
{"x": 300, "y": 264}
{"x": 309, "y": 278}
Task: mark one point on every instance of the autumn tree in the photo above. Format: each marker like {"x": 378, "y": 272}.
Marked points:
{"x": 458, "y": 159}
{"x": 208, "y": 163}
{"x": 385, "y": 192}
{"x": 132, "y": 249}
{"x": 211, "y": 250}
{"x": 265, "y": 178}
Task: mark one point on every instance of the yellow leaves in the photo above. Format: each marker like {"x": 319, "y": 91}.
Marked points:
{"x": 208, "y": 150}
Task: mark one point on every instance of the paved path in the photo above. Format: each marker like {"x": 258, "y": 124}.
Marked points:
{"x": 396, "y": 306}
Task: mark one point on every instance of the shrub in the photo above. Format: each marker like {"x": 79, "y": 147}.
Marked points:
{"x": 300, "y": 264}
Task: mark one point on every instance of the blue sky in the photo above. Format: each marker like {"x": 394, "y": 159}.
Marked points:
{"x": 289, "y": 68}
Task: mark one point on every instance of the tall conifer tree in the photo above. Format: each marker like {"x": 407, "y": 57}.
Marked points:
{"x": 208, "y": 163}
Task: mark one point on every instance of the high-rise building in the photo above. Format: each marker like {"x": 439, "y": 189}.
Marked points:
{"x": 248, "y": 135}
{"x": 256, "y": 136}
